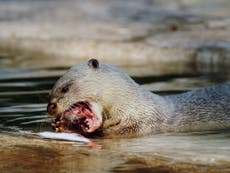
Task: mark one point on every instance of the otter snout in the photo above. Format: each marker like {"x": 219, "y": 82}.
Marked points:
{"x": 52, "y": 108}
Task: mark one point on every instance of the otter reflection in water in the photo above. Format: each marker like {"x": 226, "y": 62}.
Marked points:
{"x": 96, "y": 97}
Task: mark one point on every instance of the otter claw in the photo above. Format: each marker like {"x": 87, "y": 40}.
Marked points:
{"x": 57, "y": 130}
{"x": 53, "y": 125}
{"x": 58, "y": 123}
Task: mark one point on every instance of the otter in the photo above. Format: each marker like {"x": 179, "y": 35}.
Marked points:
{"x": 95, "y": 97}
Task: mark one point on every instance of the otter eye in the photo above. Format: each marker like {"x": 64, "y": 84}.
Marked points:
{"x": 65, "y": 89}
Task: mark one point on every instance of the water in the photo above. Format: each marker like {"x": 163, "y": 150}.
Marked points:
{"x": 23, "y": 99}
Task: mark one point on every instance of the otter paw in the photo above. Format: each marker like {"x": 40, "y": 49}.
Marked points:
{"x": 60, "y": 126}
{"x": 110, "y": 123}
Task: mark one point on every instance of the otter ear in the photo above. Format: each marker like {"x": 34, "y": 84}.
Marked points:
{"x": 93, "y": 63}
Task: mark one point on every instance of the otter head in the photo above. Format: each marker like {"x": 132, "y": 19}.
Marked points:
{"x": 86, "y": 95}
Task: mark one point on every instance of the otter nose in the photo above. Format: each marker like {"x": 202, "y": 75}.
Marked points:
{"x": 52, "y": 108}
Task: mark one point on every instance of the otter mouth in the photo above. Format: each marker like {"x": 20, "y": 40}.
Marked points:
{"x": 83, "y": 116}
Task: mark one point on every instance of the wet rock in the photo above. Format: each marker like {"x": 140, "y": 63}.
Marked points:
{"x": 193, "y": 39}
{"x": 145, "y": 35}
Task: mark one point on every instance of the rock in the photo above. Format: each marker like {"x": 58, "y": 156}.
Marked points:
{"x": 143, "y": 37}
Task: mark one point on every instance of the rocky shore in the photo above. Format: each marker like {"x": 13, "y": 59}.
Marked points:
{"x": 155, "y": 37}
